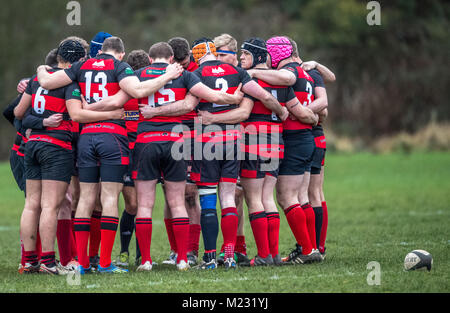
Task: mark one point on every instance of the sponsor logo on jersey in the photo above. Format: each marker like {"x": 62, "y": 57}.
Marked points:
{"x": 129, "y": 71}
{"x": 217, "y": 70}
{"x": 155, "y": 72}
{"x": 76, "y": 93}
{"x": 131, "y": 115}
{"x": 99, "y": 64}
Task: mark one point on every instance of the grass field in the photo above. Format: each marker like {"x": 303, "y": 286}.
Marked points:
{"x": 380, "y": 208}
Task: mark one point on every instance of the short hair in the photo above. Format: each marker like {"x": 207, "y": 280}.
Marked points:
{"x": 226, "y": 40}
{"x": 294, "y": 47}
{"x": 180, "y": 47}
{"x": 114, "y": 44}
{"x": 51, "y": 58}
{"x": 138, "y": 59}
{"x": 160, "y": 50}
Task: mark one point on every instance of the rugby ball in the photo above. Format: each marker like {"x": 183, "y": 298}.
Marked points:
{"x": 418, "y": 260}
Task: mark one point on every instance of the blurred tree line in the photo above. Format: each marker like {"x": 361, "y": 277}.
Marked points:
{"x": 390, "y": 77}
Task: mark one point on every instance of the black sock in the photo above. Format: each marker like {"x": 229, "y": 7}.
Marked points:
{"x": 210, "y": 229}
{"x": 126, "y": 230}
{"x": 318, "y": 213}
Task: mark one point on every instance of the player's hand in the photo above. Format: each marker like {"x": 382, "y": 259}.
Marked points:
{"x": 28, "y": 133}
{"x": 43, "y": 68}
{"x": 316, "y": 119}
{"x": 285, "y": 114}
{"x": 22, "y": 86}
{"x": 118, "y": 114}
{"x": 147, "y": 111}
{"x": 323, "y": 115}
{"x": 53, "y": 120}
{"x": 307, "y": 66}
{"x": 238, "y": 94}
{"x": 174, "y": 70}
{"x": 205, "y": 117}
{"x": 84, "y": 103}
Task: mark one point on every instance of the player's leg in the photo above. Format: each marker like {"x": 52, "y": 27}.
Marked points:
{"x": 307, "y": 208}
{"x": 287, "y": 196}
{"x": 127, "y": 223}
{"x": 175, "y": 197}
{"x": 192, "y": 203}
{"x": 273, "y": 217}
{"x": 29, "y": 225}
{"x": 240, "y": 248}
{"x": 323, "y": 231}
{"x": 64, "y": 232}
{"x": 146, "y": 190}
{"x": 172, "y": 259}
{"x": 229, "y": 221}
{"x": 95, "y": 232}
{"x": 253, "y": 188}
{"x": 53, "y": 193}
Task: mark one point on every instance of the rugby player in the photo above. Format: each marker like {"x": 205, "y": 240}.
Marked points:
{"x": 299, "y": 143}
{"x": 226, "y": 49}
{"x": 181, "y": 50}
{"x": 220, "y": 134}
{"x": 136, "y": 59}
{"x": 263, "y": 153}
{"x": 105, "y": 142}
{"x": 48, "y": 161}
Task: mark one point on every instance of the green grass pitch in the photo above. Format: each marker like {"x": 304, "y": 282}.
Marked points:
{"x": 380, "y": 208}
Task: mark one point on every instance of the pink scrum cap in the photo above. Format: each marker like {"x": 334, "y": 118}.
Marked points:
{"x": 279, "y": 48}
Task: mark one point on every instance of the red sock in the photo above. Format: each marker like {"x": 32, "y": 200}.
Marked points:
{"x": 22, "y": 253}
{"x": 30, "y": 257}
{"x": 63, "y": 235}
{"x": 229, "y": 226}
{"x": 48, "y": 258}
{"x": 273, "y": 221}
{"x": 38, "y": 245}
{"x": 95, "y": 235}
{"x": 170, "y": 234}
{"x": 73, "y": 244}
{"x": 194, "y": 237}
{"x": 82, "y": 228}
{"x": 323, "y": 231}
{"x": 310, "y": 223}
{"x": 108, "y": 231}
{"x": 241, "y": 247}
{"x": 297, "y": 222}
{"x": 258, "y": 222}
{"x": 180, "y": 227}
{"x": 144, "y": 237}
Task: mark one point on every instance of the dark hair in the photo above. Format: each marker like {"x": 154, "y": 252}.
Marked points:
{"x": 70, "y": 51}
{"x": 138, "y": 59}
{"x": 51, "y": 59}
{"x": 114, "y": 44}
{"x": 160, "y": 50}
{"x": 180, "y": 47}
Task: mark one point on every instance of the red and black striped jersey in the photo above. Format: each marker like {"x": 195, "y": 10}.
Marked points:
{"x": 45, "y": 103}
{"x": 99, "y": 78}
{"x": 191, "y": 115}
{"x": 221, "y": 76}
{"x": 304, "y": 91}
{"x": 260, "y": 115}
{"x": 175, "y": 90}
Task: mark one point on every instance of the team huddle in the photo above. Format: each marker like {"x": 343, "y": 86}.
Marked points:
{"x": 197, "y": 119}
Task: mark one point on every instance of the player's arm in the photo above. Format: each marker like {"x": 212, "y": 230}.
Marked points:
{"x": 281, "y": 77}
{"x": 215, "y": 96}
{"x": 320, "y": 100}
{"x": 323, "y": 115}
{"x": 137, "y": 89}
{"x": 8, "y": 112}
{"x": 234, "y": 116}
{"x": 80, "y": 115}
{"x": 109, "y": 103}
{"x": 176, "y": 108}
{"x": 327, "y": 74}
{"x": 55, "y": 80}
{"x": 22, "y": 107}
{"x": 256, "y": 91}
{"x": 302, "y": 113}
